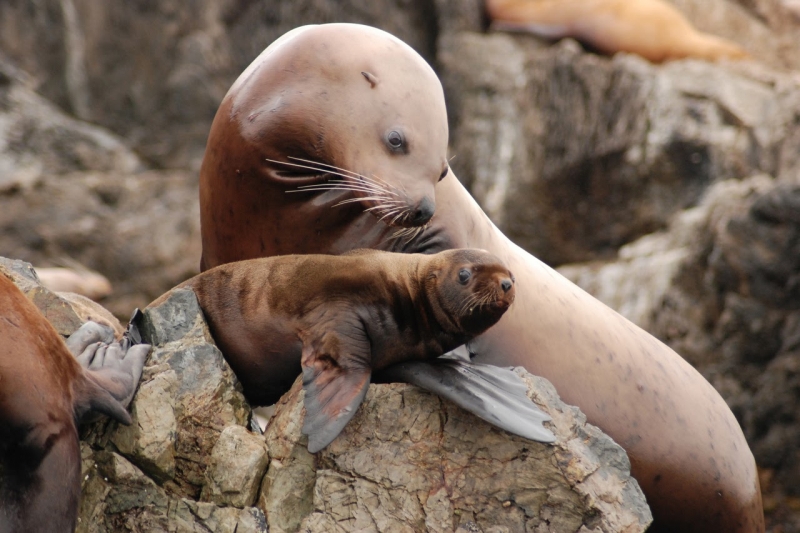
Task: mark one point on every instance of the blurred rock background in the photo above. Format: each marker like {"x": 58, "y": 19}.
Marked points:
{"x": 671, "y": 192}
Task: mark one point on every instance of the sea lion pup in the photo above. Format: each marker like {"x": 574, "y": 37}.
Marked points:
{"x": 44, "y": 393}
{"x": 652, "y": 29}
{"x": 686, "y": 448}
{"x": 340, "y": 318}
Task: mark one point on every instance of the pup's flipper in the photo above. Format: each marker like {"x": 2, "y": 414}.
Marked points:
{"x": 112, "y": 371}
{"x": 336, "y": 376}
{"x": 331, "y": 402}
{"x": 493, "y": 393}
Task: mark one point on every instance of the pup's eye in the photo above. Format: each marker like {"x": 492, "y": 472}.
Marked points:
{"x": 464, "y": 275}
{"x": 444, "y": 173}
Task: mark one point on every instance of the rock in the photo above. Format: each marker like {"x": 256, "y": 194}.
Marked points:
{"x": 228, "y": 483}
{"x": 154, "y": 74}
{"x": 573, "y": 155}
{"x": 409, "y": 461}
{"x": 141, "y": 231}
{"x": 65, "y": 311}
{"x": 38, "y": 140}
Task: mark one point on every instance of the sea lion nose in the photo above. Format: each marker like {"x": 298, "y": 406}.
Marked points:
{"x": 424, "y": 211}
{"x": 506, "y": 285}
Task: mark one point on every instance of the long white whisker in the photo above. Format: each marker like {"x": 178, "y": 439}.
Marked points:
{"x": 307, "y": 167}
{"x": 389, "y": 213}
{"x": 385, "y": 205}
{"x": 326, "y": 165}
{"x": 377, "y": 183}
{"x": 402, "y": 214}
{"x": 353, "y": 200}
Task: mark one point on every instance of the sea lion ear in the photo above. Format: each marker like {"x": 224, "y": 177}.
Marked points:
{"x": 333, "y": 394}
{"x": 371, "y": 78}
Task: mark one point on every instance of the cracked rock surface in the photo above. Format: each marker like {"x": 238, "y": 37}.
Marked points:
{"x": 410, "y": 461}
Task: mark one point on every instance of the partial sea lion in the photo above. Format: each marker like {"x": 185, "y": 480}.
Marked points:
{"x": 44, "y": 393}
{"x": 653, "y": 29}
{"x": 81, "y": 281}
{"x": 687, "y": 450}
{"x": 341, "y": 318}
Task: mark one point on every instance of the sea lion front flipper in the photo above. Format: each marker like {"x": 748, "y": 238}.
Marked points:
{"x": 111, "y": 371}
{"x": 493, "y": 393}
{"x": 89, "y": 333}
{"x": 335, "y": 382}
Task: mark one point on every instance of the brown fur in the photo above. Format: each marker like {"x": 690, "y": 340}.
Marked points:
{"x": 652, "y": 29}
{"x": 44, "y": 392}
{"x": 686, "y": 448}
{"x": 339, "y": 318}
{"x": 265, "y": 312}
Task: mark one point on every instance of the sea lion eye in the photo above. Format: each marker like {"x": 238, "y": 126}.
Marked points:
{"x": 464, "y": 275}
{"x": 396, "y": 141}
{"x": 444, "y": 173}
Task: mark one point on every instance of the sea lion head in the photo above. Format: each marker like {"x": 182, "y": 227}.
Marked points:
{"x": 469, "y": 289}
{"x": 340, "y": 116}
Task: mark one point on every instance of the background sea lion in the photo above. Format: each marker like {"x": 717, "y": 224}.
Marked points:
{"x": 686, "y": 448}
{"x": 44, "y": 393}
{"x": 652, "y": 29}
{"x": 341, "y": 318}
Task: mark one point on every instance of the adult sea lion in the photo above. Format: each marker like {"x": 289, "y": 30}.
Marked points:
{"x": 686, "y": 448}
{"x": 653, "y": 29}
{"x": 341, "y": 318}
{"x": 44, "y": 393}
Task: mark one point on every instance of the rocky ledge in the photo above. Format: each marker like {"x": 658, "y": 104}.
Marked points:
{"x": 408, "y": 461}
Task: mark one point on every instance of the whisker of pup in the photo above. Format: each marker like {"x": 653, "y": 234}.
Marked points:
{"x": 469, "y": 303}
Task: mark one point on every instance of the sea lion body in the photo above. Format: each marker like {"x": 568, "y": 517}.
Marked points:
{"x": 652, "y": 29}
{"x": 686, "y": 448}
{"x": 44, "y": 393}
{"x": 340, "y": 318}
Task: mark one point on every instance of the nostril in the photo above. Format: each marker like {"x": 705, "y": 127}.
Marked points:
{"x": 424, "y": 211}
{"x": 506, "y": 285}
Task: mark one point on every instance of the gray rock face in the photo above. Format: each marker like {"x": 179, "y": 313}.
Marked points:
{"x": 409, "y": 461}
{"x": 37, "y": 139}
{"x": 155, "y": 72}
{"x": 142, "y": 231}
{"x": 573, "y": 155}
